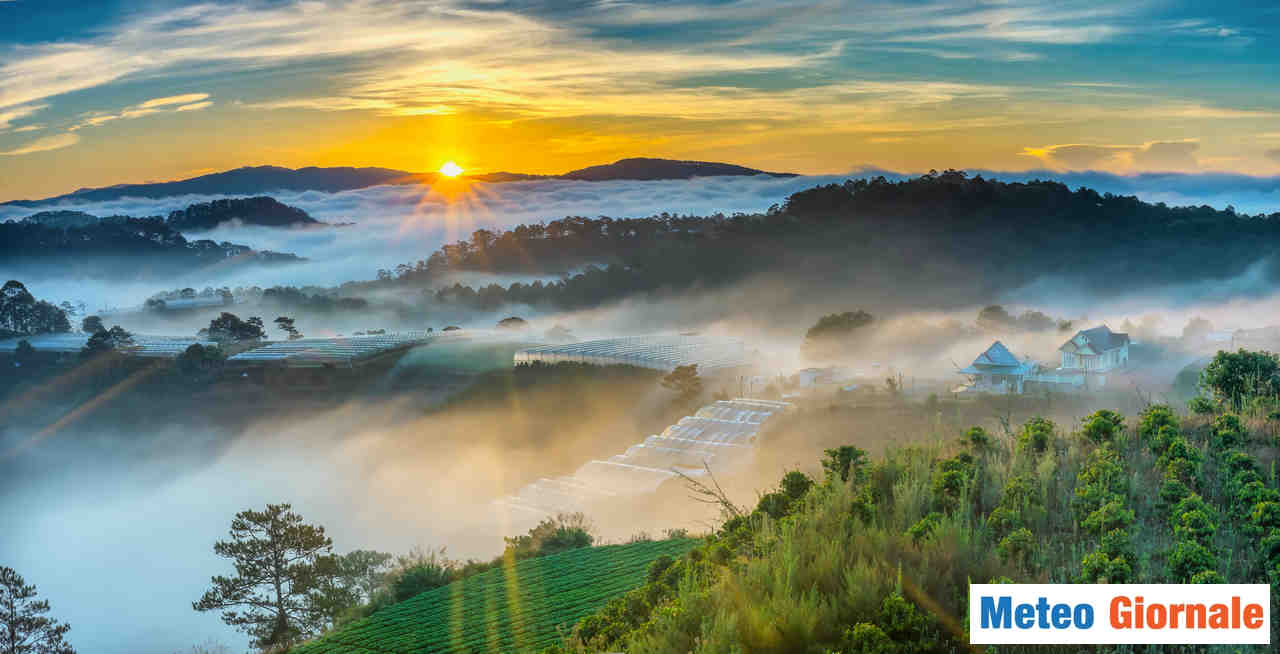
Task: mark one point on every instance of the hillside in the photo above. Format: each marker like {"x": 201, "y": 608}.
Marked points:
{"x": 941, "y": 238}
{"x": 241, "y": 181}
{"x": 877, "y": 556}
{"x": 258, "y": 180}
{"x": 117, "y": 246}
{"x": 507, "y": 609}
{"x": 259, "y": 211}
{"x": 642, "y": 168}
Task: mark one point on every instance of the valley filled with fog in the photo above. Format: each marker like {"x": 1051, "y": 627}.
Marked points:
{"x": 118, "y": 507}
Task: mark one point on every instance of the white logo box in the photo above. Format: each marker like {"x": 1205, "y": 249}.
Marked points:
{"x": 1245, "y": 608}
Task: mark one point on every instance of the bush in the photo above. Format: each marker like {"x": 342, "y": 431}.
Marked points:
{"x": 1201, "y": 406}
{"x": 419, "y": 579}
{"x": 1228, "y": 432}
{"x": 1016, "y": 547}
{"x": 1102, "y": 426}
{"x": 1187, "y": 559}
{"x": 923, "y": 529}
{"x": 1155, "y": 417}
{"x": 1036, "y": 435}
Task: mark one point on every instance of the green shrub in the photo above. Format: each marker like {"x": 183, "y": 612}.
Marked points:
{"x": 924, "y": 528}
{"x": 1036, "y": 435}
{"x": 1197, "y": 526}
{"x": 1153, "y": 418}
{"x": 977, "y": 439}
{"x": 1016, "y": 547}
{"x": 1188, "y": 558}
{"x": 867, "y": 638}
{"x": 845, "y": 462}
{"x": 1112, "y": 515}
{"x": 1228, "y": 432}
{"x": 1099, "y": 568}
{"x": 1202, "y": 406}
{"x": 1102, "y": 426}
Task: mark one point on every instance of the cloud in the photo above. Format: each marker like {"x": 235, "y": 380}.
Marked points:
{"x": 1177, "y": 155}
{"x": 188, "y": 102}
{"x": 398, "y": 224}
{"x": 1155, "y": 155}
{"x": 174, "y": 99}
{"x": 29, "y": 128}
{"x": 437, "y": 57}
{"x": 7, "y": 116}
{"x": 44, "y": 144}
{"x": 195, "y": 106}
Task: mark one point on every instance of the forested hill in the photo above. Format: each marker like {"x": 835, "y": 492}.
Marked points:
{"x": 117, "y": 246}
{"x": 937, "y": 234}
{"x": 641, "y": 168}
{"x": 258, "y": 211}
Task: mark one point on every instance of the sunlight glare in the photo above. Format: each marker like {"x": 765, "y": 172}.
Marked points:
{"x": 450, "y": 169}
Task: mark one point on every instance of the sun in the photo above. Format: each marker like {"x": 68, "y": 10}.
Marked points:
{"x": 450, "y": 169}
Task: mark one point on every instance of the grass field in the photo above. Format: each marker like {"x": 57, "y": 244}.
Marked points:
{"x": 515, "y": 608}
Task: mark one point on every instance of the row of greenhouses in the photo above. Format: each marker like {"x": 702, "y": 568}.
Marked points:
{"x": 343, "y": 350}
{"x": 303, "y": 352}
{"x": 71, "y": 343}
{"x": 660, "y": 352}
{"x": 720, "y": 436}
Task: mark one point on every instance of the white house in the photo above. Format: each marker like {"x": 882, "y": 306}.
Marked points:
{"x": 1095, "y": 350}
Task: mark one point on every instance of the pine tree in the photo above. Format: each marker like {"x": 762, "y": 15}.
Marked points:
{"x": 24, "y": 629}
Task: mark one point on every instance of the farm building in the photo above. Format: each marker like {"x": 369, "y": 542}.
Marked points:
{"x": 662, "y": 352}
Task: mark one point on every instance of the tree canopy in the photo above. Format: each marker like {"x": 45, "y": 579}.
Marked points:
{"x": 279, "y": 561}
{"x": 22, "y": 314}
{"x": 24, "y": 627}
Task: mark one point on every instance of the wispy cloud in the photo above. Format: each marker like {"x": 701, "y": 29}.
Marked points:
{"x": 43, "y": 144}
{"x": 7, "y": 116}
{"x": 174, "y": 99}
{"x": 1154, "y": 155}
{"x": 188, "y": 102}
{"x": 195, "y": 106}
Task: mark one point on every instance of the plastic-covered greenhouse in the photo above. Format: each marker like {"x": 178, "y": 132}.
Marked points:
{"x": 664, "y": 352}
{"x": 322, "y": 351}
{"x": 144, "y": 345}
{"x": 721, "y": 435}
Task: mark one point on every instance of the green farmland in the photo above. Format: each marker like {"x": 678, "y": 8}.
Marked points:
{"x": 508, "y": 609}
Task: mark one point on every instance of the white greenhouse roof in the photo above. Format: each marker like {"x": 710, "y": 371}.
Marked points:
{"x": 662, "y": 352}
{"x": 721, "y": 435}
{"x": 319, "y": 351}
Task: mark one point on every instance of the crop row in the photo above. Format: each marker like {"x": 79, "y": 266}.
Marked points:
{"x": 510, "y": 608}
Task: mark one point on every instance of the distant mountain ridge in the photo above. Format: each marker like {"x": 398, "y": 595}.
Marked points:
{"x": 258, "y": 180}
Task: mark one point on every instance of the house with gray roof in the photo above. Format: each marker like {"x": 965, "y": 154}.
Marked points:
{"x": 1096, "y": 350}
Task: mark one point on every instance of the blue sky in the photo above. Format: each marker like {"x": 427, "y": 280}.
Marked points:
{"x": 118, "y": 92}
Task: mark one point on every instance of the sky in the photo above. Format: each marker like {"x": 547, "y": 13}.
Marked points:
{"x": 93, "y": 94}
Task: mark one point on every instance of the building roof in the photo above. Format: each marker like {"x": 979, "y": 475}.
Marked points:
{"x": 1098, "y": 339}
{"x": 997, "y": 358}
{"x": 996, "y": 355}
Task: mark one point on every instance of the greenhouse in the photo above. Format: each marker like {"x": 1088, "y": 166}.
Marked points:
{"x": 721, "y": 436}
{"x": 657, "y": 352}
{"x": 70, "y": 343}
{"x": 330, "y": 351}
